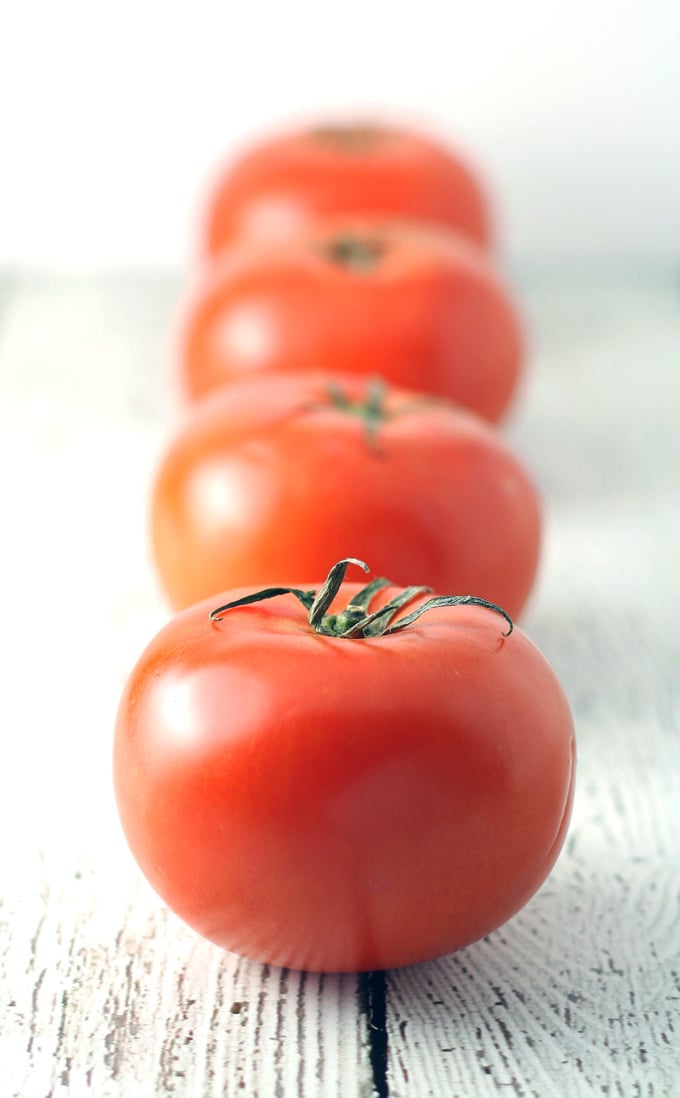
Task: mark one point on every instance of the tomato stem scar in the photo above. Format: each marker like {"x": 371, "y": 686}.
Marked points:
{"x": 357, "y": 620}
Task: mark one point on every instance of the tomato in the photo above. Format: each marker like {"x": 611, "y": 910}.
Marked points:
{"x": 340, "y": 803}
{"x": 273, "y": 477}
{"x": 420, "y": 307}
{"x": 293, "y": 179}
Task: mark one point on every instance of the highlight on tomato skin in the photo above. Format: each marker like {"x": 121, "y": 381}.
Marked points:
{"x": 335, "y": 804}
{"x": 419, "y": 306}
{"x": 287, "y": 181}
{"x": 272, "y": 477}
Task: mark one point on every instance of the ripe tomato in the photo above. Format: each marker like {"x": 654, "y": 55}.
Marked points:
{"x": 273, "y": 477}
{"x": 293, "y": 179}
{"x": 420, "y": 307}
{"x": 338, "y": 804}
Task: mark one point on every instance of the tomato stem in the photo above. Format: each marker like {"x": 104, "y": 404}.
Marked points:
{"x": 357, "y": 620}
{"x": 357, "y": 252}
{"x": 347, "y": 138}
{"x": 371, "y": 408}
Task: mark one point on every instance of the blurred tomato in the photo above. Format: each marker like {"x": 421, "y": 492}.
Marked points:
{"x": 422, "y": 308}
{"x": 271, "y": 478}
{"x": 287, "y": 182}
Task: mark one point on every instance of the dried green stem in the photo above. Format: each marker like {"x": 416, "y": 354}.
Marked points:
{"x": 357, "y": 620}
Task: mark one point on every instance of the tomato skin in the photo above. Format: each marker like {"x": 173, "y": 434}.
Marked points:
{"x": 293, "y": 179}
{"x": 427, "y": 312}
{"x": 269, "y": 480}
{"x": 343, "y": 805}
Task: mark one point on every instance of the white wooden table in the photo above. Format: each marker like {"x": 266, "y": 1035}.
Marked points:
{"x": 103, "y": 992}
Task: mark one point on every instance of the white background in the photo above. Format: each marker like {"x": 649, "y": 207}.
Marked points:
{"x": 114, "y": 115}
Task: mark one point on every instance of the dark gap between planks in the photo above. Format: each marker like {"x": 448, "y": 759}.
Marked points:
{"x": 372, "y": 995}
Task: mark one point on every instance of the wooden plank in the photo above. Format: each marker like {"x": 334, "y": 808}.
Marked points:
{"x": 108, "y": 994}
{"x": 104, "y": 992}
{"x": 580, "y": 993}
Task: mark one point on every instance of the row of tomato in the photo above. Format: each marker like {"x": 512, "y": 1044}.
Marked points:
{"x": 345, "y": 788}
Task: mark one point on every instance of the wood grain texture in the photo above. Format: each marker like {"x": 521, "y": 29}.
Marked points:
{"x": 105, "y": 994}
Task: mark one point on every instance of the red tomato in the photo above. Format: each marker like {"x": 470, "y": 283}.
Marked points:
{"x": 291, "y": 180}
{"x": 421, "y": 308}
{"x": 341, "y": 804}
{"x": 272, "y": 478}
